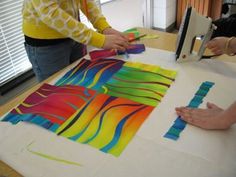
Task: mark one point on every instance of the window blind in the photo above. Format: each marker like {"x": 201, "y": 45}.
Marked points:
{"x": 13, "y": 58}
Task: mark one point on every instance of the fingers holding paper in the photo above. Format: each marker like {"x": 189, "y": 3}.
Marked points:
{"x": 210, "y": 118}
{"x": 115, "y": 42}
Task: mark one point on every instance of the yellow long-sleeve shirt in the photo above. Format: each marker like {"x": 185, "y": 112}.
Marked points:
{"x": 56, "y": 19}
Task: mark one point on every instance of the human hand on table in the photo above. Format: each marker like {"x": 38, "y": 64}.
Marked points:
{"x": 115, "y": 42}
{"x": 213, "y": 117}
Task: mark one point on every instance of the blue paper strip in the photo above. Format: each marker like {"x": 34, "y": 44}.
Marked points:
{"x": 180, "y": 124}
{"x": 173, "y": 137}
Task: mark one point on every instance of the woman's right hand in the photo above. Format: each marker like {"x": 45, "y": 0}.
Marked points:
{"x": 115, "y": 42}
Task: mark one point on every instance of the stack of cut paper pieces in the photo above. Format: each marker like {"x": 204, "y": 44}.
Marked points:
{"x": 179, "y": 124}
{"x": 132, "y": 33}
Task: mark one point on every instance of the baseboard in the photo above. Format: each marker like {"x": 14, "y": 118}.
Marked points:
{"x": 16, "y": 82}
{"x": 170, "y": 28}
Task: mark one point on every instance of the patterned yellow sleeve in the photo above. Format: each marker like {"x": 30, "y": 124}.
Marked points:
{"x": 56, "y": 18}
{"x": 94, "y": 15}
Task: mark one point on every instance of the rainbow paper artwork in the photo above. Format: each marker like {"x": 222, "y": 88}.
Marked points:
{"x": 100, "y": 103}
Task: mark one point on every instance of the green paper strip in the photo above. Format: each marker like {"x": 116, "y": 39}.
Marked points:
{"x": 51, "y": 157}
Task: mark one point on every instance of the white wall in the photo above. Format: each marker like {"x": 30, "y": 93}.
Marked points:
{"x": 164, "y": 13}
{"x": 124, "y": 14}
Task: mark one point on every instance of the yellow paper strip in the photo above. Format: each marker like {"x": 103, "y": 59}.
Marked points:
{"x": 51, "y": 157}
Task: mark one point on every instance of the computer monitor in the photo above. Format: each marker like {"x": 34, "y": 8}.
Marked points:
{"x": 193, "y": 25}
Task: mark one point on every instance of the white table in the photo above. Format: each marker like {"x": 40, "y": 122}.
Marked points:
{"x": 197, "y": 153}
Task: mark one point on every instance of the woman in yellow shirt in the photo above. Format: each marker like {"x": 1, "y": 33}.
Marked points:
{"x": 54, "y": 36}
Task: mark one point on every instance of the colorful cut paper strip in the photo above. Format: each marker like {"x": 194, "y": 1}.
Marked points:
{"x": 98, "y": 54}
{"x": 179, "y": 124}
{"x": 132, "y": 49}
